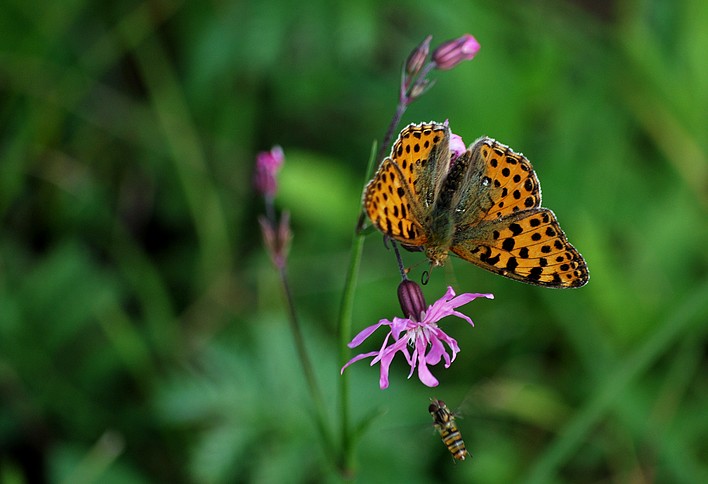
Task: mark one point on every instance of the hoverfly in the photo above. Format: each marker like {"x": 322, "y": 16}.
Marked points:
{"x": 444, "y": 422}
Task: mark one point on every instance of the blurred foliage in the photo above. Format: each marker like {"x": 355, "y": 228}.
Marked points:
{"x": 142, "y": 328}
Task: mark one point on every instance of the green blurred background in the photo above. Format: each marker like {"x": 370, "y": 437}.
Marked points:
{"x": 143, "y": 333}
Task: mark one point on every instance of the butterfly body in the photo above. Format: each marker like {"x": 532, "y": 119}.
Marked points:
{"x": 484, "y": 206}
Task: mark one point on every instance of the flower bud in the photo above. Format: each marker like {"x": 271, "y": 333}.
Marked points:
{"x": 452, "y": 52}
{"x": 277, "y": 238}
{"x": 419, "y": 89}
{"x": 412, "y": 301}
{"x": 267, "y": 165}
{"x": 416, "y": 59}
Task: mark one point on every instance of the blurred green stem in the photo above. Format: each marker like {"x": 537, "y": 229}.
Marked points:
{"x": 345, "y": 463}
{"x": 345, "y": 329}
{"x": 307, "y": 367}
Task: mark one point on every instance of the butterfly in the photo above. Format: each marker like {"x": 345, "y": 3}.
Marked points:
{"x": 484, "y": 206}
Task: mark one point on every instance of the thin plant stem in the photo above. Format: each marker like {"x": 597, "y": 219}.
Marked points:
{"x": 409, "y": 92}
{"x": 407, "y": 96}
{"x": 345, "y": 328}
{"x": 346, "y": 460}
{"x": 404, "y": 100}
{"x": 400, "y": 109}
{"x": 307, "y": 368}
{"x": 345, "y": 315}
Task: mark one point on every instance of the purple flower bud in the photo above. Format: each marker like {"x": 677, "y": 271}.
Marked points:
{"x": 419, "y": 89}
{"x": 417, "y": 58}
{"x": 267, "y": 165}
{"x": 412, "y": 301}
{"x": 277, "y": 238}
{"x": 452, "y": 52}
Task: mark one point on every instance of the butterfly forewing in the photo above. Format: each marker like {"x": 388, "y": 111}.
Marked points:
{"x": 392, "y": 207}
{"x": 512, "y": 182}
{"x": 400, "y": 197}
{"x": 422, "y": 151}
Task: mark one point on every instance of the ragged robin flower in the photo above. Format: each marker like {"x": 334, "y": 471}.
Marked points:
{"x": 418, "y": 335}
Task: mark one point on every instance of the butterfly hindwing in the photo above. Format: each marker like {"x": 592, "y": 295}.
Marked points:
{"x": 527, "y": 246}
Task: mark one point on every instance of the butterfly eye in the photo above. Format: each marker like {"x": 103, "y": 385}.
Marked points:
{"x": 486, "y": 181}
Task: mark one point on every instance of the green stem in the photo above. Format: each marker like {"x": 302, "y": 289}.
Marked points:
{"x": 345, "y": 313}
{"x": 307, "y": 368}
{"x": 345, "y": 329}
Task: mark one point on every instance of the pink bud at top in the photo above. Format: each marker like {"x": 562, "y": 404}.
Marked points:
{"x": 267, "y": 165}
{"x": 452, "y": 52}
{"x": 417, "y": 58}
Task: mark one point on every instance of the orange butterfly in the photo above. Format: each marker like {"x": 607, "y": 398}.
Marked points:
{"x": 484, "y": 206}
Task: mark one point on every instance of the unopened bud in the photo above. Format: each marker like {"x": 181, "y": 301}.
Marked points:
{"x": 416, "y": 59}
{"x": 452, "y": 52}
{"x": 411, "y": 298}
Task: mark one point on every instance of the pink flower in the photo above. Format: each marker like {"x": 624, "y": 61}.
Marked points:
{"x": 457, "y": 146}
{"x": 452, "y": 52}
{"x": 417, "y": 332}
{"x": 267, "y": 165}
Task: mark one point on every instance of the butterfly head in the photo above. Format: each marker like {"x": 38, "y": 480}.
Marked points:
{"x": 436, "y": 255}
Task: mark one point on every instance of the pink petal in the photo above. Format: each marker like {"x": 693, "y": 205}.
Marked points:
{"x": 385, "y": 364}
{"x": 357, "y": 358}
{"x": 399, "y": 325}
{"x": 366, "y": 332}
{"x": 439, "y": 309}
{"x": 437, "y": 350}
{"x": 457, "y": 146}
{"x": 391, "y": 350}
{"x": 461, "y": 316}
{"x": 463, "y": 299}
{"x": 424, "y": 374}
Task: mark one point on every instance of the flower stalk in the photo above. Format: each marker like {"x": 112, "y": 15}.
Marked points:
{"x": 276, "y": 238}
{"x": 418, "y": 329}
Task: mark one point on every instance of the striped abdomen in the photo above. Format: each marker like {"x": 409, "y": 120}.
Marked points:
{"x": 444, "y": 421}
